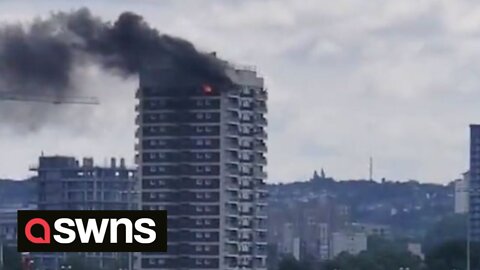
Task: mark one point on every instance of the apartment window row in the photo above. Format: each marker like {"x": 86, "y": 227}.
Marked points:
{"x": 182, "y": 182}
{"x": 185, "y": 117}
{"x": 203, "y": 248}
{"x": 203, "y": 169}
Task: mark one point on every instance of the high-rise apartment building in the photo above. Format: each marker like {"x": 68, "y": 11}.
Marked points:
{"x": 65, "y": 184}
{"x": 474, "y": 183}
{"x": 201, "y": 156}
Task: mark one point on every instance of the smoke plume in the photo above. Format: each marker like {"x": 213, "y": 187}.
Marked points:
{"x": 39, "y": 58}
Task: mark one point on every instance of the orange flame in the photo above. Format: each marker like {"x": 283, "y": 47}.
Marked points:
{"x": 207, "y": 89}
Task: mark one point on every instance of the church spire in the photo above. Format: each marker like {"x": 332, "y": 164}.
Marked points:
{"x": 322, "y": 174}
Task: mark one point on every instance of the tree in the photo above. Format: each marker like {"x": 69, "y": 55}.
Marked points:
{"x": 382, "y": 254}
{"x": 450, "y": 228}
{"x": 290, "y": 263}
{"x": 453, "y": 255}
{"x": 11, "y": 258}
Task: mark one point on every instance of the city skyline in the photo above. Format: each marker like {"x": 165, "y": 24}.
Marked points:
{"x": 397, "y": 78}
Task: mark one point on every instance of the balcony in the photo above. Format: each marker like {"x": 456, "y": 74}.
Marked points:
{"x": 262, "y": 121}
{"x": 262, "y": 94}
{"x": 261, "y": 134}
{"x": 232, "y": 170}
{"x": 260, "y": 174}
{"x": 232, "y": 144}
{"x": 261, "y": 107}
{"x": 232, "y": 118}
{"x": 261, "y": 146}
{"x": 260, "y": 159}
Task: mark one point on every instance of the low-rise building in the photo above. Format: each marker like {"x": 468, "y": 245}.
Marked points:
{"x": 461, "y": 194}
{"x": 350, "y": 242}
{"x": 371, "y": 229}
{"x": 8, "y": 224}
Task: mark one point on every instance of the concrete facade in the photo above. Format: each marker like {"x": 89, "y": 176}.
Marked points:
{"x": 200, "y": 154}
{"x": 461, "y": 194}
{"x": 349, "y": 242}
{"x": 66, "y": 184}
{"x": 474, "y": 185}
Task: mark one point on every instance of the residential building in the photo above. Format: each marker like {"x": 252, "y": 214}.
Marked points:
{"x": 415, "y": 249}
{"x": 65, "y": 184}
{"x": 461, "y": 194}
{"x": 371, "y": 229}
{"x": 474, "y": 183}
{"x": 201, "y": 156}
{"x": 8, "y": 223}
{"x": 349, "y": 242}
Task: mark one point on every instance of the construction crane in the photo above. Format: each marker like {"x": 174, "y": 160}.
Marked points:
{"x": 57, "y": 100}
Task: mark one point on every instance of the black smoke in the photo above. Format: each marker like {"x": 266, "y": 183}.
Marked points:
{"x": 39, "y": 58}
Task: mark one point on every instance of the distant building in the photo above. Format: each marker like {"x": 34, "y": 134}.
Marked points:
{"x": 349, "y": 242}
{"x": 297, "y": 248}
{"x": 65, "y": 184}
{"x": 288, "y": 236}
{"x": 461, "y": 194}
{"x": 415, "y": 249}
{"x": 8, "y": 224}
{"x": 371, "y": 229}
{"x": 474, "y": 185}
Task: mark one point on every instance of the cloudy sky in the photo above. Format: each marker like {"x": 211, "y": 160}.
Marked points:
{"x": 398, "y": 80}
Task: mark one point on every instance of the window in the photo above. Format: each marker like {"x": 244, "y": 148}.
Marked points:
{"x": 199, "y": 182}
{"x": 198, "y": 235}
{"x": 207, "y": 248}
{"x": 207, "y": 221}
{"x": 198, "y": 209}
{"x": 199, "y": 115}
{"x": 153, "y": 195}
{"x": 198, "y": 222}
{"x": 208, "y": 169}
{"x": 199, "y": 195}
{"x": 208, "y": 142}
{"x": 207, "y": 235}
{"x": 199, "y": 142}
{"x": 208, "y": 182}
{"x": 207, "y": 195}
